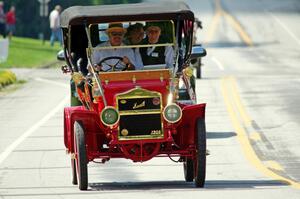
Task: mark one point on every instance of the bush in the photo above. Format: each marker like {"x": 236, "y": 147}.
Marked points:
{"x": 7, "y": 77}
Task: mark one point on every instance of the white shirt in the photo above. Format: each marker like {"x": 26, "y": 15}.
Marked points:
{"x": 138, "y": 58}
{"x": 169, "y": 53}
{"x": 54, "y": 19}
{"x": 131, "y": 54}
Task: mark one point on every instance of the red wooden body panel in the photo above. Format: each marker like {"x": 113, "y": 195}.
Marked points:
{"x": 113, "y": 88}
{"x": 181, "y": 134}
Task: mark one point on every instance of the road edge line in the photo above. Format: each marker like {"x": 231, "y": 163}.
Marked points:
{"x": 31, "y": 130}
{"x": 245, "y": 116}
{"x": 283, "y": 26}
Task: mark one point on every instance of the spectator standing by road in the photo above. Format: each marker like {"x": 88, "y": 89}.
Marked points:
{"x": 2, "y": 20}
{"x": 55, "y": 25}
{"x": 11, "y": 21}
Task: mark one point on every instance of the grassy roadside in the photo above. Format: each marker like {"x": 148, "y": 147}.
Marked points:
{"x": 26, "y": 53}
{"x": 29, "y": 53}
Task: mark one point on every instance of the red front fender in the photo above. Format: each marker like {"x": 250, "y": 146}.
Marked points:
{"x": 89, "y": 119}
{"x": 185, "y": 136}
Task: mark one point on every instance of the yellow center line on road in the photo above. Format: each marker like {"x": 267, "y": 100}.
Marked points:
{"x": 214, "y": 23}
{"x": 236, "y": 109}
{"x": 273, "y": 165}
{"x": 212, "y": 28}
{"x": 255, "y": 136}
{"x": 238, "y": 27}
{"x": 227, "y": 91}
{"x": 219, "y": 11}
{"x": 245, "y": 116}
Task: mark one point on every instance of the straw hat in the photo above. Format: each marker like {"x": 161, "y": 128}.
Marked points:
{"x": 115, "y": 27}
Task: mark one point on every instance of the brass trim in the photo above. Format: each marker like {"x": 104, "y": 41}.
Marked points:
{"x": 172, "y": 122}
{"x": 141, "y": 137}
{"x": 139, "y": 96}
{"x": 132, "y": 46}
{"x": 140, "y": 112}
{"x": 124, "y": 132}
{"x": 72, "y": 156}
{"x": 134, "y": 79}
{"x": 138, "y": 46}
{"x": 110, "y": 125}
{"x": 159, "y": 74}
{"x": 140, "y": 93}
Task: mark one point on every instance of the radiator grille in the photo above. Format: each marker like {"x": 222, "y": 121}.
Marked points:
{"x": 140, "y": 115}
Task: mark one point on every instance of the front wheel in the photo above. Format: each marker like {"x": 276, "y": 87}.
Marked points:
{"x": 200, "y": 163}
{"x": 81, "y": 157}
{"x": 188, "y": 169}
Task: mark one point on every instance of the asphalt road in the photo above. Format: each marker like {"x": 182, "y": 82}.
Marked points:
{"x": 251, "y": 84}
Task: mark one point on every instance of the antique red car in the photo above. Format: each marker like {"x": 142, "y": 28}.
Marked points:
{"x": 135, "y": 112}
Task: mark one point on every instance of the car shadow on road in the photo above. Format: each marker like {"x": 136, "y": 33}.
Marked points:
{"x": 160, "y": 185}
{"x": 219, "y": 135}
{"x": 230, "y": 44}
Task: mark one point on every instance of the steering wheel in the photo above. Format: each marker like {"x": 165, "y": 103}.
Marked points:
{"x": 118, "y": 66}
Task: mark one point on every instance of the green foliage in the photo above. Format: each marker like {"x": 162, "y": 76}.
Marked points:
{"x": 24, "y": 52}
{"x": 29, "y": 22}
{"x": 7, "y": 77}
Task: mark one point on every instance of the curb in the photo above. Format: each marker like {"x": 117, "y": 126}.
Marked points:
{"x": 6, "y": 78}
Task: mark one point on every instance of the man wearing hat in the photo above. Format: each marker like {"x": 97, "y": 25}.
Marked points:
{"x": 2, "y": 20}
{"x": 115, "y": 34}
{"x": 156, "y": 55}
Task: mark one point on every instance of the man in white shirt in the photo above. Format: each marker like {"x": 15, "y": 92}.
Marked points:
{"x": 127, "y": 59}
{"x": 156, "y": 55}
{"x": 55, "y": 25}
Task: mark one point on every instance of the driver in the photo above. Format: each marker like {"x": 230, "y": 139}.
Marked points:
{"x": 127, "y": 58}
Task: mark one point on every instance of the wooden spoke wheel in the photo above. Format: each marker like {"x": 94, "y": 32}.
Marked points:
{"x": 74, "y": 174}
{"x": 200, "y": 162}
{"x": 80, "y": 156}
{"x": 188, "y": 169}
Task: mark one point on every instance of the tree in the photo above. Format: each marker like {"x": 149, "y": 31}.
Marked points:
{"x": 28, "y": 13}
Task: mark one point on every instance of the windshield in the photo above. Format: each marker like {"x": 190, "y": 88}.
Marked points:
{"x": 135, "y": 45}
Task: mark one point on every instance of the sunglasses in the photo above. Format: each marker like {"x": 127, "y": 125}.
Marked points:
{"x": 120, "y": 34}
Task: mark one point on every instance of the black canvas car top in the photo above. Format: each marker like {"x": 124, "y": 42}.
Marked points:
{"x": 78, "y": 15}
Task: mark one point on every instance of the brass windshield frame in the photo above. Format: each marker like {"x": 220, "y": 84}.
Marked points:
{"x": 141, "y": 45}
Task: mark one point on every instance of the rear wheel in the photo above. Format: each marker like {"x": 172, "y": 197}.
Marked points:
{"x": 198, "y": 69}
{"x": 200, "y": 163}
{"x": 188, "y": 169}
{"x": 74, "y": 175}
{"x": 81, "y": 158}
